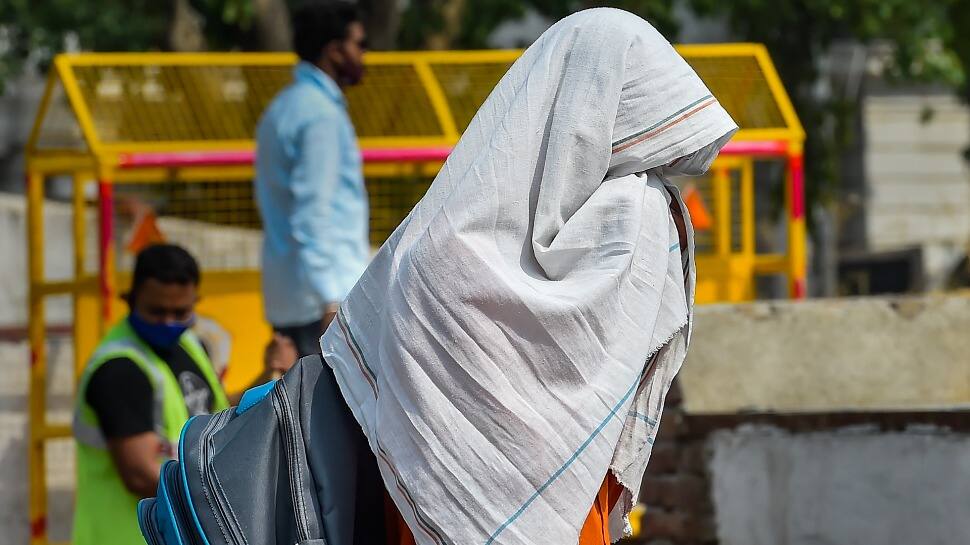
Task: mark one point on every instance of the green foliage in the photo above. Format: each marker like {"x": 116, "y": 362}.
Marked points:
{"x": 958, "y": 41}
{"x": 227, "y": 22}
{"x": 929, "y": 39}
{"x": 797, "y": 33}
{"x": 422, "y": 18}
{"x": 479, "y": 22}
{"x": 480, "y": 17}
{"x": 660, "y": 13}
{"x": 926, "y": 38}
{"x": 39, "y": 28}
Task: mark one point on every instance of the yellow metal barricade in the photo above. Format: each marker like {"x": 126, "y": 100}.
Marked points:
{"x": 170, "y": 135}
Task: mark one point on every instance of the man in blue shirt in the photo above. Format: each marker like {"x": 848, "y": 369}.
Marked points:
{"x": 309, "y": 185}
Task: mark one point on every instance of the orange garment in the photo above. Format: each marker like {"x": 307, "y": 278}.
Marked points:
{"x": 398, "y": 532}
{"x": 595, "y": 531}
{"x": 700, "y": 218}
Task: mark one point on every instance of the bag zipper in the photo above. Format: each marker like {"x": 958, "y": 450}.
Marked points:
{"x": 293, "y": 463}
{"x": 217, "y": 501}
{"x": 180, "y": 503}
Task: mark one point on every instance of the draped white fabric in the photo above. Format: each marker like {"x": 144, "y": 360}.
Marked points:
{"x": 513, "y": 340}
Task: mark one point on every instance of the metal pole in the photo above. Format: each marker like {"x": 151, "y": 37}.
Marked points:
{"x": 37, "y": 496}
{"x": 105, "y": 247}
{"x": 796, "y": 225}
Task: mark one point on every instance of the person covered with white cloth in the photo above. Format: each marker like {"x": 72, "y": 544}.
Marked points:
{"x": 508, "y": 350}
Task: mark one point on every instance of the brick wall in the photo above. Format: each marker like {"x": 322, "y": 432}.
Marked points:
{"x": 676, "y": 488}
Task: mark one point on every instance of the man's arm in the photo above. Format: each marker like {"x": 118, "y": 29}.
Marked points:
{"x": 329, "y": 313}
{"x": 137, "y": 459}
{"x": 121, "y": 396}
{"x": 314, "y": 180}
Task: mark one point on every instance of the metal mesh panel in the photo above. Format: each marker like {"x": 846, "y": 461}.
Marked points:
{"x": 216, "y": 202}
{"x": 391, "y": 101}
{"x": 466, "y": 86}
{"x": 226, "y": 211}
{"x": 156, "y": 102}
{"x": 391, "y": 199}
{"x": 219, "y": 223}
{"x": 155, "y": 98}
{"x": 216, "y": 221}
{"x": 159, "y": 103}
{"x": 704, "y": 238}
{"x": 741, "y": 87}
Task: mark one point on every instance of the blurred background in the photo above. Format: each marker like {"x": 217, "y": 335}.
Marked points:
{"x": 826, "y": 398}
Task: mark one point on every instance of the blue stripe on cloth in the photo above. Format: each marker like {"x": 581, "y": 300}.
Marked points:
{"x": 674, "y": 247}
{"x": 565, "y": 465}
{"x": 643, "y": 417}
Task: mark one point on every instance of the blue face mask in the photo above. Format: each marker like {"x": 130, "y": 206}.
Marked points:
{"x": 164, "y": 335}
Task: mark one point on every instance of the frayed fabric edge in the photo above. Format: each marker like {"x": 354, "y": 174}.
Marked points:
{"x": 627, "y": 502}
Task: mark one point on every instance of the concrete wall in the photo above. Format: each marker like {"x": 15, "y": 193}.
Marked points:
{"x": 846, "y": 487}
{"x": 215, "y": 247}
{"x": 869, "y": 354}
{"x": 14, "y": 527}
{"x": 918, "y": 183}
{"x": 58, "y": 257}
{"x": 843, "y": 421}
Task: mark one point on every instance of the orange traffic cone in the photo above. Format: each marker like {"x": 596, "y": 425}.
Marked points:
{"x": 145, "y": 233}
{"x": 700, "y": 218}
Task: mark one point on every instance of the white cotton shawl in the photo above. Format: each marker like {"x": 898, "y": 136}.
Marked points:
{"x": 513, "y": 340}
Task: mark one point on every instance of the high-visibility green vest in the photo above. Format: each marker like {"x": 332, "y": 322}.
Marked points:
{"x": 105, "y": 511}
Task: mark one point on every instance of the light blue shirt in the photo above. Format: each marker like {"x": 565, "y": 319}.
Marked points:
{"x": 311, "y": 196}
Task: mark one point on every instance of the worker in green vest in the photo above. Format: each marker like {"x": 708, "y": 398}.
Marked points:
{"x": 147, "y": 377}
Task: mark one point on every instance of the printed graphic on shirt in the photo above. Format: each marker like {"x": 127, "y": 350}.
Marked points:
{"x": 196, "y": 392}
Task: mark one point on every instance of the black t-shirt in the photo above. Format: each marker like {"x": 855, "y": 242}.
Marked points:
{"x": 121, "y": 395}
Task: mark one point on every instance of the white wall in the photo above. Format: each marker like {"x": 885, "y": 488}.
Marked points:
{"x": 58, "y": 258}
{"x": 849, "y": 487}
{"x": 918, "y": 182}
{"x": 14, "y": 363}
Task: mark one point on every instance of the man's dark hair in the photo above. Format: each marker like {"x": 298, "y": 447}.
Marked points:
{"x": 317, "y": 23}
{"x": 167, "y": 263}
